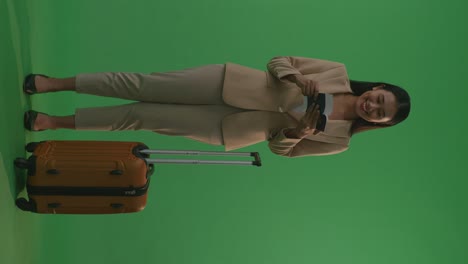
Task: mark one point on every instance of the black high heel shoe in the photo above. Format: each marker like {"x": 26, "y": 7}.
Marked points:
{"x": 29, "y": 84}
{"x": 29, "y": 120}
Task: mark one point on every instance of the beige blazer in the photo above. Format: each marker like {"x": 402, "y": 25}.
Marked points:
{"x": 271, "y": 97}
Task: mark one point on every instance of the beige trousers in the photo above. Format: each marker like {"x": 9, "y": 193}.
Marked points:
{"x": 182, "y": 103}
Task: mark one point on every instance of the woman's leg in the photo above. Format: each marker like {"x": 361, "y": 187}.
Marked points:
{"x": 201, "y": 85}
{"x": 198, "y": 122}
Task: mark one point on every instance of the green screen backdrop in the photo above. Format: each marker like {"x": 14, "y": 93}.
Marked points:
{"x": 398, "y": 195}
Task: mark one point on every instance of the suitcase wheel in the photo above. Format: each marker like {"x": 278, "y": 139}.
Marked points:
{"x": 21, "y": 163}
{"x": 24, "y": 205}
{"x": 30, "y": 147}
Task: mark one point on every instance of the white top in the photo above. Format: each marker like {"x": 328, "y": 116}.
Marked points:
{"x": 328, "y": 105}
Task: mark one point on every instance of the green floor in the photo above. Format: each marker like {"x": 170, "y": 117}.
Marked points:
{"x": 21, "y": 232}
{"x": 397, "y": 196}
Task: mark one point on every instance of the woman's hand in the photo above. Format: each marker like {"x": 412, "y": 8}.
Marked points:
{"x": 308, "y": 87}
{"x": 306, "y": 125}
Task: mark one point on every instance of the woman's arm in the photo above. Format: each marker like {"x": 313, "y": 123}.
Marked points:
{"x": 290, "y": 147}
{"x": 292, "y": 142}
{"x": 282, "y": 67}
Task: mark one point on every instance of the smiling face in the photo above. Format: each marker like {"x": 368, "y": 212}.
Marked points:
{"x": 377, "y": 105}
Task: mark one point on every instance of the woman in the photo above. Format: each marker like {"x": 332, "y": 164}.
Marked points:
{"x": 233, "y": 105}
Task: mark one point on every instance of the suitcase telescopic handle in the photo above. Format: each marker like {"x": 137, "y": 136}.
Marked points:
{"x": 195, "y": 152}
{"x": 257, "y": 161}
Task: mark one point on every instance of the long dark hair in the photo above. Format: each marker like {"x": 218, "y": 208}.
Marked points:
{"x": 402, "y": 97}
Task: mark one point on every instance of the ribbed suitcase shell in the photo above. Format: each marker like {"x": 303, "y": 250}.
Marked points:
{"x": 83, "y": 177}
